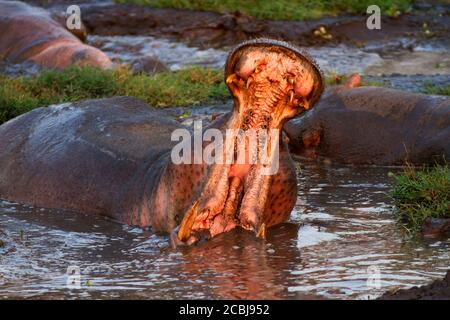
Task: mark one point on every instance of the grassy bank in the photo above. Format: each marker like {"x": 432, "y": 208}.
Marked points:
{"x": 281, "y": 9}
{"x": 419, "y": 194}
{"x": 186, "y": 87}
{"x": 431, "y": 88}
{"x": 191, "y": 86}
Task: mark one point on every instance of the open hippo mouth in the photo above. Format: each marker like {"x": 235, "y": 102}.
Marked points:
{"x": 271, "y": 82}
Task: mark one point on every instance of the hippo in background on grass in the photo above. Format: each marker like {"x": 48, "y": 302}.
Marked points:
{"x": 112, "y": 157}
{"x": 30, "y": 34}
{"x": 373, "y": 126}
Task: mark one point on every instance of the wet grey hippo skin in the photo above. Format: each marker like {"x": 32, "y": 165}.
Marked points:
{"x": 113, "y": 156}
{"x": 372, "y": 125}
{"x": 30, "y": 34}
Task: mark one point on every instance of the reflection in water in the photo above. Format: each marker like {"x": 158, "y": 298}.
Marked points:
{"x": 341, "y": 231}
{"x": 238, "y": 266}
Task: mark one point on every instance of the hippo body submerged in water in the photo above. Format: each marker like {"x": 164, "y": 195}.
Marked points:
{"x": 30, "y": 34}
{"x": 373, "y": 125}
{"x": 113, "y": 156}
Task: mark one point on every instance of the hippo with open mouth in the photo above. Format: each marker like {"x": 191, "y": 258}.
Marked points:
{"x": 114, "y": 156}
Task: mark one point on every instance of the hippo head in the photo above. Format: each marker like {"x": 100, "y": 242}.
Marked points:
{"x": 287, "y": 78}
{"x": 271, "y": 82}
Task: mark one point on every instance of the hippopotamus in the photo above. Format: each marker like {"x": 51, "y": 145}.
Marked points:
{"x": 30, "y": 34}
{"x": 373, "y": 126}
{"x": 114, "y": 156}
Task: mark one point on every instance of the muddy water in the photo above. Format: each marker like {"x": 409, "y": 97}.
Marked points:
{"x": 393, "y": 66}
{"x": 176, "y": 55}
{"x": 426, "y": 59}
{"x": 341, "y": 234}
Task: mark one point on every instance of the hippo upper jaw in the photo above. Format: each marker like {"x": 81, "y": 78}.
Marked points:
{"x": 270, "y": 85}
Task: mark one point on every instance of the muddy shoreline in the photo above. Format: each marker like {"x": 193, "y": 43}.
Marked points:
{"x": 437, "y": 290}
{"x": 426, "y": 22}
{"x": 211, "y": 29}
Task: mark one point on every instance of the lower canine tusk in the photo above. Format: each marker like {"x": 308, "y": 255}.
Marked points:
{"x": 262, "y": 231}
{"x": 249, "y": 82}
{"x": 231, "y": 78}
{"x": 184, "y": 233}
{"x": 305, "y": 104}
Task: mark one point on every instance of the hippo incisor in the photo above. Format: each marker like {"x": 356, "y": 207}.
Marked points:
{"x": 373, "y": 125}
{"x": 30, "y": 34}
{"x": 113, "y": 156}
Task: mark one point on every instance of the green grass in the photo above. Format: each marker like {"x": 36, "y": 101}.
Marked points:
{"x": 419, "y": 194}
{"x": 191, "y": 86}
{"x": 431, "y": 88}
{"x": 282, "y": 9}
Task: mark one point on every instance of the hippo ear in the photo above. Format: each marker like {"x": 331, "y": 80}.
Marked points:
{"x": 277, "y": 45}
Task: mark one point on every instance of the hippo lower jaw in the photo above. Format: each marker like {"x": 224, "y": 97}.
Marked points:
{"x": 270, "y": 84}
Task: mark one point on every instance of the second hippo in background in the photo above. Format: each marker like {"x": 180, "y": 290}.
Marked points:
{"x": 30, "y": 34}
{"x": 373, "y": 125}
{"x": 115, "y": 157}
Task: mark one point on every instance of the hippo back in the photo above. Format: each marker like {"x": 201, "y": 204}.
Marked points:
{"x": 371, "y": 125}
{"x": 76, "y": 155}
{"x": 25, "y": 28}
{"x": 30, "y": 33}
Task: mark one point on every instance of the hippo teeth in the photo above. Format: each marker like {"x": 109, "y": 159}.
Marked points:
{"x": 262, "y": 231}
{"x": 269, "y": 87}
{"x": 184, "y": 232}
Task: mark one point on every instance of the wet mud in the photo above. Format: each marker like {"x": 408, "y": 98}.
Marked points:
{"x": 212, "y": 29}
{"x": 437, "y": 290}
